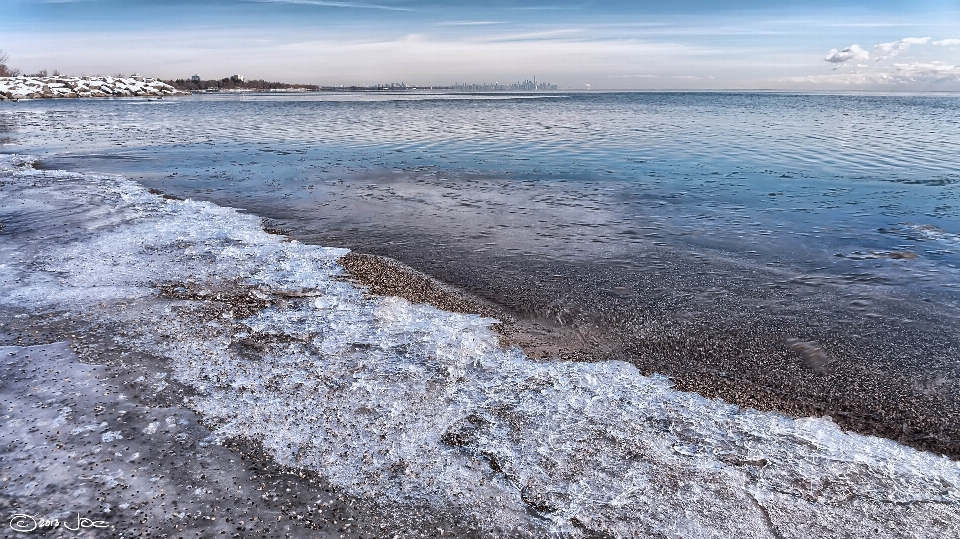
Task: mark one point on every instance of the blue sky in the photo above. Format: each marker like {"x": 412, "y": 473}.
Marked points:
{"x": 682, "y": 44}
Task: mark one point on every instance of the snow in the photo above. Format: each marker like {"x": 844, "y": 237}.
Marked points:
{"x": 25, "y": 87}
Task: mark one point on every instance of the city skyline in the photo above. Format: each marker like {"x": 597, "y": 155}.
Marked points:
{"x": 689, "y": 44}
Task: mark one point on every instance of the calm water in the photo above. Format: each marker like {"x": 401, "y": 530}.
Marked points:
{"x": 843, "y": 184}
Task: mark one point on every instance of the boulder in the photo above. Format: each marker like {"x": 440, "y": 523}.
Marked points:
{"x": 24, "y": 87}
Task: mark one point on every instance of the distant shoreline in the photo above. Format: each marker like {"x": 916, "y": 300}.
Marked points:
{"x": 52, "y": 87}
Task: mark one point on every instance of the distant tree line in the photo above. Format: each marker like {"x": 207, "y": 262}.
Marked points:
{"x": 233, "y": 83}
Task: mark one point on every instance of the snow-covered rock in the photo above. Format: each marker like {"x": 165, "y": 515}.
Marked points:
{"x": 53, "y": 87}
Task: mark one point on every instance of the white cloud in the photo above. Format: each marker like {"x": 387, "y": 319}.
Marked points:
{"x": 889, "y": 50}
{"x": 853, "y": 52}
{"x": 920, "y": 73}
{"x": 928, "y": 72}
{"x": 945, "y": 42}
{"x": 925, "y": 75}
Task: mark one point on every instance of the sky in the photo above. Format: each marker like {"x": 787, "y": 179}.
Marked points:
{"x": 893, "y": 45}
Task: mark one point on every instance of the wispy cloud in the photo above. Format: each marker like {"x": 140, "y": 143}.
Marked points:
{"x": 945, "y": 42}
{"x": 875, "y": 24}
{"x": 533, "y": 36}
{"x": 545, "y": 8}
{"x": 893, "y": 48}
{"x": 468, "y": 23}
{"x": 325, "y": 3}
{"x": 853, "y": 52}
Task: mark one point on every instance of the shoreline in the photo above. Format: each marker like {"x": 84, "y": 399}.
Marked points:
{"x": 873, "y": 361}
{"x": 751, "y": 366}
{"x": 385, "y": 276}
{"x": 845, "y": 354}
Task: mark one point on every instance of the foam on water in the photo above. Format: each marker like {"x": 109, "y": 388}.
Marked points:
{"x": 936, "y": 234}
{"x": 407, "y": 405}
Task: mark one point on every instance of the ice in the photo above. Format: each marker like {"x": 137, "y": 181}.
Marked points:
{"x": 408, "y": 405}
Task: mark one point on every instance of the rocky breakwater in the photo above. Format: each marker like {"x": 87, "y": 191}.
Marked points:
{"x": 15, "y": 88}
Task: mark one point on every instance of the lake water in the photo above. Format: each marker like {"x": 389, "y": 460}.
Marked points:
{"x": 841, "y": 184}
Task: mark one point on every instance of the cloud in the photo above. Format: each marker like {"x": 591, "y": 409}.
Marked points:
{"x": 853, "y": 52}
{"x": 929, "y": 75}
{"x": 545, "y": 35}
{"x": 468, "y": 23}
{"x": 545, "y": 8}
{"x": 927, "y": 72}
{"x": 945, "y": 42}
{"x": 889, "y": 50}
{"x": 325, "y": 3}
